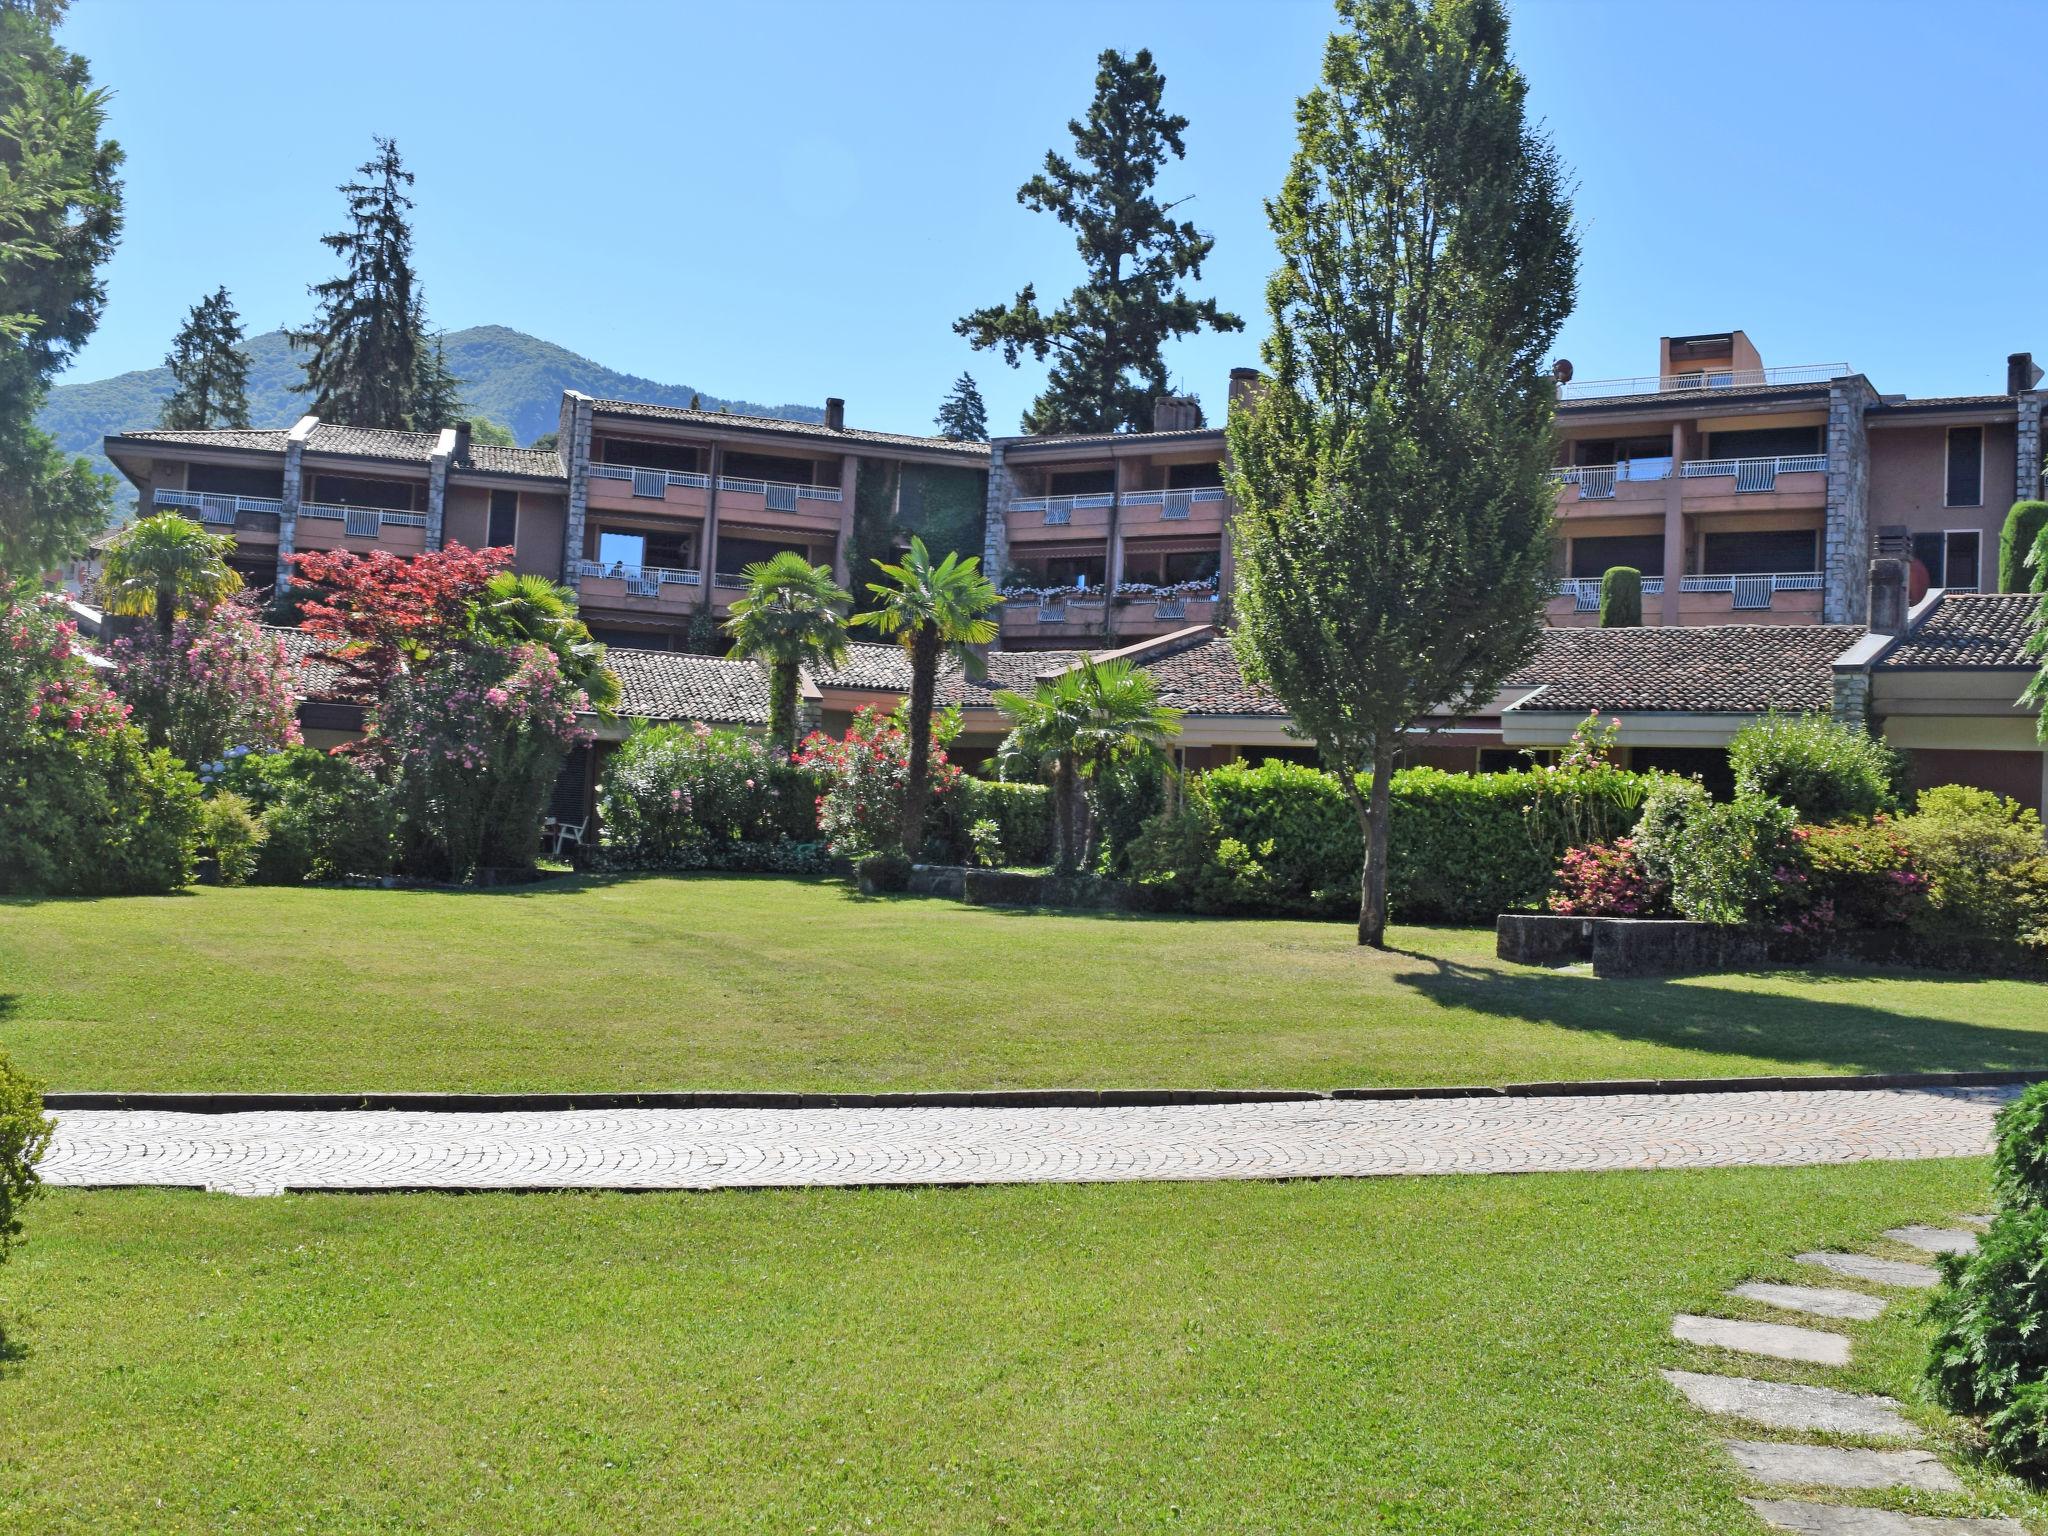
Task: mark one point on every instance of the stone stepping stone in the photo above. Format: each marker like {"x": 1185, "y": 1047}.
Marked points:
{"x": 1864, "y": 1266}
{"x": 1935, "y": 1239}
{"x": 1832, "y": 1466}
{"x": 1819, "y": 1300}
{"x": 1980, "y": 1223}
{"x": 1780, "y": 1341}
{"x": 1780, "y": 1405}
{"x": 1834, "y": 1520}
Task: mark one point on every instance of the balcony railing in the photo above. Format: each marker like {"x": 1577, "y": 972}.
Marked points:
{"x": 1703, "y": 381}
{"x": 1175, "y": 505}
{"x": 781, "y": 495}
{"x": 361, "y": 522}
{"x": 1061, "y": 509}
{"x": 1753, "y": 592}
{"x": 220, "y": 510}
{"x": 640, "y": 580}
{"x": 1584, "y": 591}
{"x": 1757, "y": 474}
{"x": 651, "y": 483}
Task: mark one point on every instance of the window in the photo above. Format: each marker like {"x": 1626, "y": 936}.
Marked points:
{"x": 504, "y": 527}
{"x": 1763, "y": 443}
{"x": 1784, "y": 552}
{"x": 1962, "y": 548}
{"x": 1965, "y": 467}
{"x": 353, "y": 491}
{"x": 1080, "y": 482}
{"x": 1595, "y": 557}
{"x": 625, "y": 551}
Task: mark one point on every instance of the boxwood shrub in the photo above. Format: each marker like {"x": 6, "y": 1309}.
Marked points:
{"x": 1022, "y": 814}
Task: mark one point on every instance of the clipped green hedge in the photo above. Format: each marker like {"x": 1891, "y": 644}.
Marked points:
{"x": 1282, "y": 838}
{"x": 2024, "y": 525}
{"x": 1022, "y": 814}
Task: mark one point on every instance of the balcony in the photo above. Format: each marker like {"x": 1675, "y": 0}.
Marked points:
{"x": 625, "y": 487}
{"x": 1069, "y": 516}
{"x": 1784, "y": 597}
{"x": 1705, "y": 381}
{"x": 1584, "y": 591}
{"x": 1195, "y": 509}
{"x": 779, "y": 503}
{"x": 1710, "y": 485}
{"x": 638, "y": 589}
{"x": 401, "y": 532}
{"x": 250, "y": 514}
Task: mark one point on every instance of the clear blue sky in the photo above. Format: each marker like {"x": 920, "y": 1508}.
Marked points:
{"x": 782, "y": 201}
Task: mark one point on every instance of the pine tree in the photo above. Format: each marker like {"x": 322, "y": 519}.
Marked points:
{"x": 60, "y": 215}
{"x": 1107, "y": 340}
{"x": 963, "y": 416}
{"x": 209, "y": 367}
{"x": 1392, "y": 474}
{"x": 372, "y": 364}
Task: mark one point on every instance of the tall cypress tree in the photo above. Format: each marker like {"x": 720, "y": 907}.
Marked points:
{"x": 962, "y": 414}
{"x": 371, "y": 362}
{"x": 1107, "y": 340}
{"x": 60, "y": 216}
{"x": 209, "y": 367}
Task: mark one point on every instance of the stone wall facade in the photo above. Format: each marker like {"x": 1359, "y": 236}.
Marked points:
{"x": 2026, "y": 453}
{"x": 995, "y": 537}
{"x": 1845, "y": 598}
{"x": 572, "y": 443}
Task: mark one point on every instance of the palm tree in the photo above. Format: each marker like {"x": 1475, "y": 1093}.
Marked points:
{"x": 1078, "y": 723}
{"x": 929, "y": 610}
{"x": 789, "y": 619}
{"x": 166, "y": 565}
{"x": 531, "y": 610}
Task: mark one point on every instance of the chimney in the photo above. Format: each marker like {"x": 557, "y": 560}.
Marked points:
{"x": 461, "y": 439}
{"x": 835, "y": 413}
{"x": 1888, "y": 597}
{"x": 1561, "y": 370}
{"x": 1242, "y": 382}
{"x": 2020, "y": 373}
{"x": 1176, "y": 413}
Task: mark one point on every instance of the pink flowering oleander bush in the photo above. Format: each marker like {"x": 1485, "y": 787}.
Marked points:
{"x": 221, "y": 683}
{"x": 1858, "y": 875}
{"x": 690, "y": 797}
{"x": 861, "y": 806}
{"x": 1607, "y": 880}
{"x": 476, "y": 739}
{"x": 86, "y": 808}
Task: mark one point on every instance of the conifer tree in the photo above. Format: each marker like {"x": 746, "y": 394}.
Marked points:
{"x": 60, "y": 215}
{"x": 209, "y": 368}
{"x": 372, "y": 363}
{"x": 962, "y": 414}
{"x": 1107, "y": 339}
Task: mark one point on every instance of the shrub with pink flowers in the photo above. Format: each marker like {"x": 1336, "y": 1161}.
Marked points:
{"x": 221, "y": 683}
{"x": 477, "y": 737}
{"x": 691, "y": 797}
{"x": 861, "y": 809}
{"x": 1858, "y": 874}
{"x": 1607, "y": 880}
{"x": 86, "y": 808}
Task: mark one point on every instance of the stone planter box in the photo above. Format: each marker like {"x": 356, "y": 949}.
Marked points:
{"x": 1627, "y": 946}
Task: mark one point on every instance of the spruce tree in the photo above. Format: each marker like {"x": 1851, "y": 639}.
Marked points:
{"x": 1393, "y": 472}
{"x": 963, "y": 416}
{"x": 371, "y": 363}
{"x": 209, "y": 368}
{"x": 1107, "y": 340}
{"x": 60, "y": 216}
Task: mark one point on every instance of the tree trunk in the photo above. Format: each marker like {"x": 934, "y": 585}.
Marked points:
{"x": 166, "y": 615}
{"x": 782, "y": 685}
{"x": 1373, "y": 811}
{"x": 1062, "y": 816}
{"x": 924, "y": 668}
{"x": 1084, "y": 824}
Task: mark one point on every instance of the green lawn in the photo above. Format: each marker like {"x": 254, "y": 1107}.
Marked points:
{"x": 762, "y": 983}
{"x": 1439, "y": 1356}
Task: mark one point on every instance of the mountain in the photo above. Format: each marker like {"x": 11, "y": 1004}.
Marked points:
{"x": 515, "y": 379}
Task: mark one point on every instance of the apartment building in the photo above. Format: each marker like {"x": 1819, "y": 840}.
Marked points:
{"x": 1751, "y": 494}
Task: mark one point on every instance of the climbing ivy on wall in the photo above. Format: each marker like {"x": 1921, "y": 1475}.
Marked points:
{"x": 944, "y": 507}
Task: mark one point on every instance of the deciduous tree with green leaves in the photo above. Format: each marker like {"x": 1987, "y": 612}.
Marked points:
{"x": 1107, "y": 339}
{"x": 209, "y": 369}
{"x": 791, "y": 617}
{"x": 929, "y": 610}
{"x": 162, "y": 566}
{"x": 1394, "y": 531}
{"x": 372, "y": 363}
{"x": 963, "y": 416}
{"x": 60, "y": 216}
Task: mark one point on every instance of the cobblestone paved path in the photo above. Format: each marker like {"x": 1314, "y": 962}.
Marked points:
{"x": 268, "y": 1151}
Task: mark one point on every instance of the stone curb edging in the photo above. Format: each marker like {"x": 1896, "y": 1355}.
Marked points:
{"x": 999, "y": 1098}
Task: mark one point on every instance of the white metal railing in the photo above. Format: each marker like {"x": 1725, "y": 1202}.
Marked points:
{"x": 780, "y": 491}
{"x": 731, "y": 579}
{"x": 1756, "y": 474}
{"x": 1702, "y": 380}
{"x": 1753, "y": 591}
{"x": 1176, "y": 505}
{"x": 1061, "y": 509}
{"x": 1584, "y": 591}
{"x": 651, "y": 483}
{"x": 217, "y": 508}
{"x": 640, "y": 580}
{"x": 1176, "y": 608}
{"x": 361, "y": 522}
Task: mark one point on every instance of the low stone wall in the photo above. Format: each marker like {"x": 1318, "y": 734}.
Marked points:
{"x": 1008, "y": 888}
{"x": 1627, "y": 946}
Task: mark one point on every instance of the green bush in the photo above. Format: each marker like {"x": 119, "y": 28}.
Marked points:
{"x": 2024, "y": 526}
{"x": 1732, "y": 863}
{"x": 230, "y": 834}
{"x": 1671, "y": 798}
{"x": 1825, "y": 770}
{"x": 1022, "y": 814}
{"x": 323, "y": 818}
{"x": 1294, "y": 822}
{"x": 24, "y": 1137}
{"x": 1621, "y": 598}
{"x": 672, "y": 791}
{"x": 1989, "y": 1355}
{"x": 1859, "y": 875}
{"x": 985, "y": 844}
{"x": 1986, "y": 871}
{"x": 884, "y": 871}
{"x": 1123, "y": 796}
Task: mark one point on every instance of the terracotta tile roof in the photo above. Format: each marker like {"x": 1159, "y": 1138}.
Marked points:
{"x": 851, "y": 437}
{"x": 886, "y": 669}
{"x": 315, "y": 678}
{"x": 529, "y": 463}
{"x": 259, "y": 440}
{"x": 1591, "y": 403}
{"x": 1203, "y": 677}
{"x": 1718, "y": 669}
{"x": 1948, "y": 403}
{"x": 336, "y": 441}
{"x": 675, "y": 685}
{"x": 1055, "y": 440}
{"x": 372, "y": 443}
{"x": 1970, "y": 630}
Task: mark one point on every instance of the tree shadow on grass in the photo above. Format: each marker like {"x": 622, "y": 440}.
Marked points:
{"x": 1810, "y": 1033}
